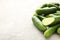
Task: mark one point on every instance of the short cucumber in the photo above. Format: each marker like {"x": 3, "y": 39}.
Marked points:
{"x": 46, "y": 10}
{"x": 51, "y": 30}
{"x": 58, "y": 30}
{"x": 38, "y": 23}
{"x": 51, "y": 21}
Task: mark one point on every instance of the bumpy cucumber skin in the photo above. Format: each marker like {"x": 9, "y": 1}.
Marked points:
{"x": 50, "y": 31}
{"x": 58, "y": 30}
{"x": 46, "y": 10}
{"x": 38, "y": 23}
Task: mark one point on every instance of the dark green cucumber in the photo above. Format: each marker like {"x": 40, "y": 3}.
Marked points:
{"x": 51, "y": 21}
{"x": 50, "y": 5}
{"x": 51, "y": 30}
{"x": 58, "y": 30}
{"x": 47, "y": 5}
{"x": 46, "y": 10}
{"x": 38, "y": 23}
{"x": 41, "y": 17}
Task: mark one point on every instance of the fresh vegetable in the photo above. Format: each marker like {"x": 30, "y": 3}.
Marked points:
{"x": 51, "y": 30}
{"x": 56, "y": 4}
{"x": 51, "y": 5}
{"x": 58, "y": 30}
{"x": 51, "y": 20}
{"x": 46, "y": 10}
{"x": 53, "y": 15}
{"x": 41, "y": 17}
{"x": 58, "y": 13}
{"x": 47, "y": 19}
{"x": 38, "y": 23}
{"x": 50, "y": 15}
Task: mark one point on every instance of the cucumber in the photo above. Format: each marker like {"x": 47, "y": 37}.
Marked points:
{"x": 50, "y": 5}
{"x": 58, "y": 13}
{"x": 56, "y": 4}
{"x": 59, "y": 8}
{"x": 58, "y": 30}
{"x": 41, "y": 17}
{"x": 50, "y": 15}
{"x": 46, "y": 10}
{"x": 51, "y": 21}
{"x": 47, "y": 5}
{"x": 51, "y": 30}
{"x": 55, "y": 14}
{"x": 38, "y": 23}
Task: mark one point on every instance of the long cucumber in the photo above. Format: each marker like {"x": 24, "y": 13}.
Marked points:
{"x": 38, "y": 23}
{"x": 46, "y": 10}
{"x": 51, "y": 30}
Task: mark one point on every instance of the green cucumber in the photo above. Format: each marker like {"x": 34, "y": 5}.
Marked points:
{"x": 53, "y": 15}
{"x": 38, "y": 23}
{"x": 47, "y": 5}
{"x": 50, "y": 15}
{"x": 58, "y": 30}
{"x": 51, "y": 21}
{"x": 58, "y": 13}
{"x": 58, "y": 4}
{"x": 51, "y": 30}
{"x": 50, "y": 5}
{"x": 41, "y": 17}
{"x": 46, "y": 10}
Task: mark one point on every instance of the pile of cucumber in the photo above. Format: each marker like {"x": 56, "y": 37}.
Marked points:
{"x": 47, "y": 19}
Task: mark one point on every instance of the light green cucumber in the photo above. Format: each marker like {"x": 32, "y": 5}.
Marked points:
{"x": 51, "y": 30}
{"x": 58, "y": 30}
{"x": 38, "y": 23}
